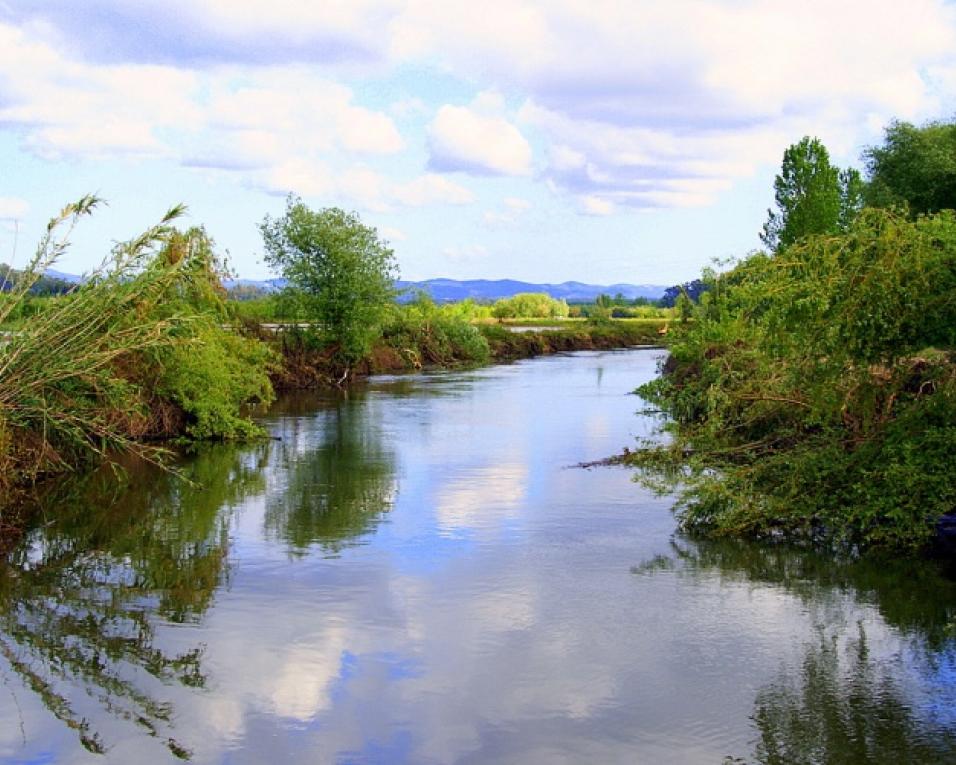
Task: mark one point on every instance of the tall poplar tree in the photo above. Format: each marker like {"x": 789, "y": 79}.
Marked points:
{"x": 807, "y": 196}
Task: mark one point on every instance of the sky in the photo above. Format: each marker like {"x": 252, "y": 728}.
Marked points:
{"x": 601, "y": 141}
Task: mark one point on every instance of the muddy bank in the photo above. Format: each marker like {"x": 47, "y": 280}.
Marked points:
{"x": 304, "y": 368}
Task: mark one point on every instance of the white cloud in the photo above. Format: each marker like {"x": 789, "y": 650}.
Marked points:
{"x": 666, "y": 104}
{"x": 430, "y": 189}
{"x": 360, "y": 186}
{"x": 392, "y": 234}
{"x": 477, "y": 139}
{"x": 593, "y": 205}
{"x": 278, "y": 127}
{"x": 13, "y": 208}
{"x": 511, "y": 210}
{"x": 640, "y": 167}
{"x": 309, "y": 180}
{"x": 639, "y": 104}
{"x": 69, "y": 108}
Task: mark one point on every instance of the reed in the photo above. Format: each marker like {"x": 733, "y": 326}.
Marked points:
{"x": 82, "y": 379}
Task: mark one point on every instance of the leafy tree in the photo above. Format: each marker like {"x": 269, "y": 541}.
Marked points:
{"x": 812, "y": 196}
{"x": 852, "y": 196}
{"x": 915, "y": 166}
{"x": 693, "y": 290}
{"x": 807, "y": 195}
{"x": 338, "y": 270}
{"x": 684, "y": 306}
{"x": 529, "y": 305}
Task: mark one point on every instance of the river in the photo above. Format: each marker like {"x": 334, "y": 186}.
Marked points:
{"x": 418, "y": 573}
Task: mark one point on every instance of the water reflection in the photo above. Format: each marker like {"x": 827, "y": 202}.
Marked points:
{"x": 80, "y": 597}
{"x": 843, "y": 706}
{"x": 337, "y": 478}
{"x": 848, "y": 699}
{"x": 293, "y": 605}
{"x": 914, "y": 596}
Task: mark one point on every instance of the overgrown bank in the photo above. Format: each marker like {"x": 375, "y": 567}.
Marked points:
{"x": 137, "y": 353}
{"x": 423, "y": 339}
{"x": 814, "y": 393}
{"x": 148, "y": 350}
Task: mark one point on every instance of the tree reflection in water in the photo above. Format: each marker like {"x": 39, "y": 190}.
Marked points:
{"x": 845, "y": 708}
{"x": 337, "y": 485}
{"x": 80, "y": 597}
{"x": 842, "y": 704}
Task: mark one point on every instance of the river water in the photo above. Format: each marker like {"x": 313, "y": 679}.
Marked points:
{"x": 418, "y": 573}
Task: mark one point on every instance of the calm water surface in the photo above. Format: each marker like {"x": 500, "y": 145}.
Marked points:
{"x": 418, "y": 574}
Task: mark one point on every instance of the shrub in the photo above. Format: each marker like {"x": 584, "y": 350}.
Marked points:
{"x": 808, "y": 391}
{"x": 434, "y": 335}
{"x": 80, "y": 379}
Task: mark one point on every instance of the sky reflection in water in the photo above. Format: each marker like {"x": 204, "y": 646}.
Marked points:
{"x": 417, "y": 573}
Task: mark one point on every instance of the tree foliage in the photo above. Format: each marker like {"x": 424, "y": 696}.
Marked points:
{"x": 915, "y": 167}
{"x": 338, "y": 270}
{"x": 692, "y": 289}
{"x": 816, "y": 390}
{"x": 530, "y": 305}
{"x": 812, "y": 196}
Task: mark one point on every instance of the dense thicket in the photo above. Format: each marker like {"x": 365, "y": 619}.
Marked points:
{"x": 815, "y": 391}
{"x": 138, "y": 350}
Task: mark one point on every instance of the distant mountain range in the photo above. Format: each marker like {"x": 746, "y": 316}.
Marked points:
{"x": 71, "y": 278}
{"x": 447, "y": 290}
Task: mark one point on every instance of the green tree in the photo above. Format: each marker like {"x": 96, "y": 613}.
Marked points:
{"x": 812, "y": 196}
{"x": 684, "y": 306}
{"x": 852, "y": 196}
{"x": 915, "y": 166}
{"x": 807, "y": 195}
{"x": 530, "y": 305}
{"x": 338, "y": 270}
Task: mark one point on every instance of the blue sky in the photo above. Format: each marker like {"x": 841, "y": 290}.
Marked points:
{"x": 602, "y": 141}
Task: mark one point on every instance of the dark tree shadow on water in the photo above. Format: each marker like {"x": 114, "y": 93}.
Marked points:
{"x": 81, "y": 595}
{"x": 841, "y": 704}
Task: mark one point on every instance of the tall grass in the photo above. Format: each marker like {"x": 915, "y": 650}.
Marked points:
{"x": 82, "y": 378}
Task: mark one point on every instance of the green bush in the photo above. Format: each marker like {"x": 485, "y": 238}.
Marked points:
{"x": 433, "y": 334}
{"x": 84, "y": 377}
{"x": 212, "y": 377}
{"x": 809, "y": 395}
{"x": 530, "y": 305}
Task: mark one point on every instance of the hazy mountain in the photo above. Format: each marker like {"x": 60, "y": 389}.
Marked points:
{"x": 71, "y": 278}
{"x": 447, "y": 290}
{"x": 485, "y": 289}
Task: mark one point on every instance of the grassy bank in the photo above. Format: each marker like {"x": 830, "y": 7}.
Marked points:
{"x": 135, "y": 354}
{"x": 147, "y": 349}
{"x": 425, "y": 336}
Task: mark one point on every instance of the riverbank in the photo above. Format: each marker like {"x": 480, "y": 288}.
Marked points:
{"x": 814, "y": 395}
{"x": 304, "y": 367}
{"x": 299, "y": 366}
